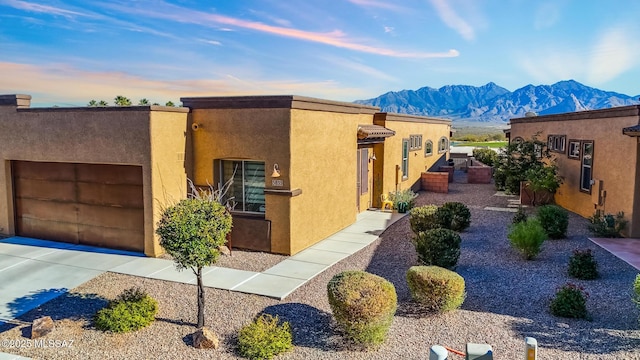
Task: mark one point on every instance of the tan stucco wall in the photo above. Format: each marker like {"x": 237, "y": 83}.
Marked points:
{"x": 82, "y": 135}
{"x": 614, "y": 160}
{"x": 404, "y": 126}
{"x": 249, "y": 134}
{"x": 324, "y": 165}
{"x": 168, "y": 134}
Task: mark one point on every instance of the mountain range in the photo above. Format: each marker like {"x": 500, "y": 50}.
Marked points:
{"x": 494, "y": 104}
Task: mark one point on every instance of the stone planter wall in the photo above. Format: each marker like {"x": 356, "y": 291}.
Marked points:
{"x": 435, "y": 181}
{"x": 479, "y": 173}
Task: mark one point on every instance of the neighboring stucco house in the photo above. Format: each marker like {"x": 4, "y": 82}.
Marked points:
{"x": 598, "y": 158}
{"x": 302, "y": 168}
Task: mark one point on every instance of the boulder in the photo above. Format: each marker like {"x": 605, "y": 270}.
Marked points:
{"x": 205, "y": 339}
{"x": 41, "y": 327}
{"x": 224, "y": 250}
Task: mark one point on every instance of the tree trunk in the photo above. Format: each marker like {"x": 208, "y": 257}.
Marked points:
{"x": 200, "y": 299}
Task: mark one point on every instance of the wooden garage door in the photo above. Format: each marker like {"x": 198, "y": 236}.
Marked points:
{"x": 100, "y": 205}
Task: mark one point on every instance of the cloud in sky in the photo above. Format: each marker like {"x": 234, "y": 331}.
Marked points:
{"x": 46, "y": 9}
{"x": 334, "y": 38}
{"x": 614, "y": 52}
{"x": 451, "y": 18}
{"x": 379, "y": 4}
{"x": 547, "y": 15}
{"x": 43, "y": 82}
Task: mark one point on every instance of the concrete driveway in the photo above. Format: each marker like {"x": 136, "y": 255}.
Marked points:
{"x": 33, "y": 272}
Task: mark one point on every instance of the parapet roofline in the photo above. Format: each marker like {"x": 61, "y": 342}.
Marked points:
{"x": 276, "y": 102}
{"x": 619, "y": 111}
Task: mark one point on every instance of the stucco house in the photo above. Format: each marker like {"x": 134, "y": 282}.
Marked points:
{"x": 597, "y": 154}
{"x": 302, "y": 168}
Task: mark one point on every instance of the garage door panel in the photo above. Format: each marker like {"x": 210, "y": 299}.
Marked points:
{"x": 111, "y": 238}
{"x": 112, "y": 217}
{"x": 91, "y": 204}
{"x": 50, "y": 230}
{"x": 46, "y": 210}
{"x": 44, "y": 171}
{"x": 46, "y": 190}
{"x": 109, "y": 174}
{"x": 123, "y": 195}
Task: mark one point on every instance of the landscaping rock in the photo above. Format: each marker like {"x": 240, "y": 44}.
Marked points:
{"x": 224, "y": 250}
{"x": 205, "y": 339}
{"x": 41, "y": 327}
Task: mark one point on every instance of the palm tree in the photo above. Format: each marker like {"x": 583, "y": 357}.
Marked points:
{"x": 121, "y": 101}
{"x": 92, "y": 103}
{"x": 169, "y": 103}
{"x": 143, "y": 101}
{"x": 103, "y": 103}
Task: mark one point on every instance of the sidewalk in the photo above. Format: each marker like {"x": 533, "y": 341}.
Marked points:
{"x": 33, "y": 272}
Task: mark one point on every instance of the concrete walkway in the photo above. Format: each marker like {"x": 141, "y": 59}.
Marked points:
{"x": 33, "y": 272}
{"x": 626, "y": 249}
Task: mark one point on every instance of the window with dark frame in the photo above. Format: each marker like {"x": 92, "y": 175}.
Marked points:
{"x": 557, "y": 143}
{"x": 574, "y": 149}
{"x": 405, "y": 159}
{"x": 443, "y": 145}
{"x": 247, "y": 189}
{"x": 415, "y": 142}
{"x": 428, "y": 148}
{"x": 586, "y": 167}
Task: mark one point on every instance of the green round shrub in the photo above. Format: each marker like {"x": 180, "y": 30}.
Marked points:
{"x": 582, "y": 265}
{"x": 554, "y": 220}
{"x": 132, "y": 310}
{"x": 570, "y": 302}
{"x": 454, "y": 215}
{"x": 527, "y": 237}
{"x": 439, "y": 247}
{"x": 363, "y": 305}
{"x": 264, "y": 338}
{"x": 435, "y": 288}
{"x": 423, "y": 218}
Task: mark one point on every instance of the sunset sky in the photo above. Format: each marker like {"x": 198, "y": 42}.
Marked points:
{"x": 69, "y": 52}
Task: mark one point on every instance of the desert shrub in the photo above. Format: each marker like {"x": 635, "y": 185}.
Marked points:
{"x": 423, "y": 218}
{"x": 439, "y": 247}
{"x": 582, "y": 265}
{"x": 130, "y": 311}
{"x": 520, "y": 216}
{"x": 515, "y": 161}
{"x": 527, "y": 237}
{"x": 403, "y": 196}
{"x": 607, "y": 225}
{"x": 454, "y": 216}
{"x": 570, "y": 301}
{"x": 485, "y": 156}
{"x": 636, "y": 291}
{"x": 264, "y": 338}
{"x": 363, "y": 306}
{"x": 554, "y": 220}
{"x": 435, "y": 288}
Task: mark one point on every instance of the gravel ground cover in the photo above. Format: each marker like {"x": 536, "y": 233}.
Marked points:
{"x": 507, "y": 299}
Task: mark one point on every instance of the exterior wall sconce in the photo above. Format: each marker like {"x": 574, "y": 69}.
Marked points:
{"x": 276, "y": 171}
{"x": 372, "y": 157}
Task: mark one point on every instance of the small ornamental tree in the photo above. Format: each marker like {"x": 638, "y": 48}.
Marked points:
{"x": 518, "y": 159}
{"x": 192, "y": 231}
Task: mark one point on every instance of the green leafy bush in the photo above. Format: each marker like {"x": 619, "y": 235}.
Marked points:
{"x": 636, "y": 291}
{"x": 454, "y": 216}
{"x": 435, "y": 288}
{"x": 543, "y": 178}
{"x": 264, "y": 338}
{"x": 403, "y": 196}
{"x": 423, "y": 218}
{"x": 582, "y": 265}
{"x": 570, "y": 302}
{"x": 520, "y": 216}
{"x": 607, "y": 225}
{"x": 363, "y": 305}
{"x": 439, "y": 247}
{"x": 527, "y": 237}
{"x": 130, "y": 311}
{"x": 554, "y": 221}
{"x": 485, "y": 156}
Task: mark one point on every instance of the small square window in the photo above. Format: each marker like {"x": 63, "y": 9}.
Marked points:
{"x": 574, "y": 149}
